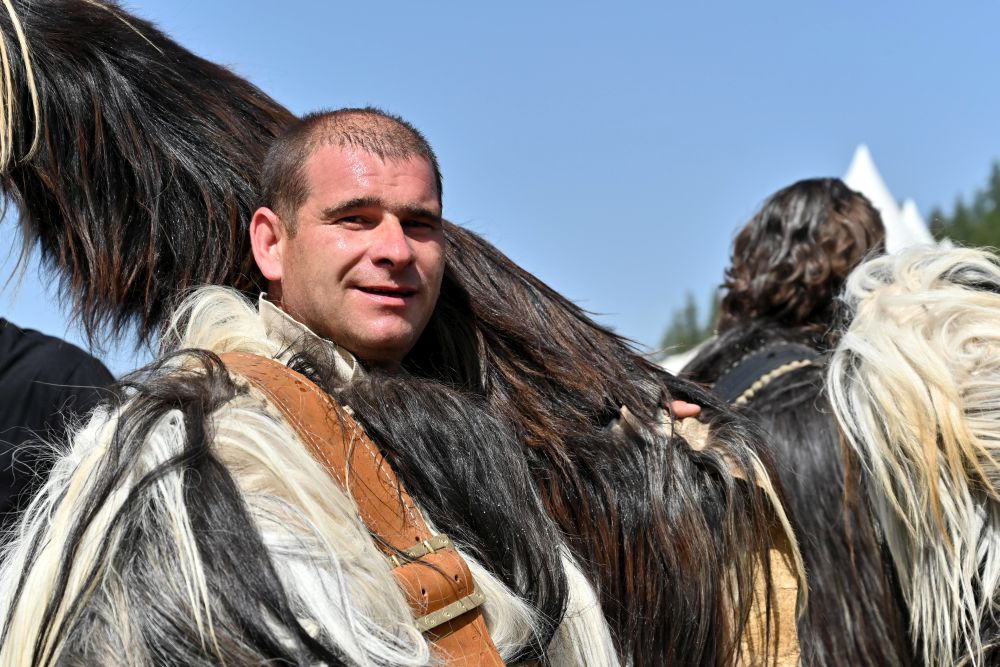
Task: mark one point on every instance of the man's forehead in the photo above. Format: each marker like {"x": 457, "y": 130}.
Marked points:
{"x": 338, "y": 175}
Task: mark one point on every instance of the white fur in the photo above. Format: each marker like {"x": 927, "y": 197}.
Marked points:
{"x": 48, "y": 515}
{"x": 220, "y": 320}
{"x": 583, "y": 638}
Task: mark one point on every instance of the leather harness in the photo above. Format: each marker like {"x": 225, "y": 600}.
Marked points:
{"x": 434, "y": 577}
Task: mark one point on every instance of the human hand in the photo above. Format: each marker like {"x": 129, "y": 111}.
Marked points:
{"x": 683, "y": 409}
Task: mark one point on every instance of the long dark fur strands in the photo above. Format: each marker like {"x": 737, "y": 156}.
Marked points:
{"x": 855, "y": 614}
{"x": 674, "y": 537}
{"x": 658, "y": 525}
{"x": 137, "y": 177}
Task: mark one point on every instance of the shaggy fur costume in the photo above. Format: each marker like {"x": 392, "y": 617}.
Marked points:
{"x": 134, "y": 163}
{"x": 201, "y": 531}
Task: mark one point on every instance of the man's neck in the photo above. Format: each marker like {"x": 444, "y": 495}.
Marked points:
{"x": 295, "y": 336}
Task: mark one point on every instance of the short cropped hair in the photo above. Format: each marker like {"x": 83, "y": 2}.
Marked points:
{"x": 790, "y": 261}
{"x": 283, "y": 185}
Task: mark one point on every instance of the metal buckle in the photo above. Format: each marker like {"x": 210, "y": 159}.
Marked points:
{"x": 453, "y": 610}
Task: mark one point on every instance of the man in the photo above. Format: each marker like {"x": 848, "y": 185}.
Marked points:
{"x": 778, "y": 316}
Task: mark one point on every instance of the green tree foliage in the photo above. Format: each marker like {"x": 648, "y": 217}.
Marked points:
{"x": 976, "y": 223}
{"x": 686, "y": 329}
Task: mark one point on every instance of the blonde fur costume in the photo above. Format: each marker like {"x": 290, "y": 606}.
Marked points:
{"x": 915, "y": 383}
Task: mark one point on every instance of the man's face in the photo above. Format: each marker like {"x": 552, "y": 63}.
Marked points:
{"x": 365, "y": 264}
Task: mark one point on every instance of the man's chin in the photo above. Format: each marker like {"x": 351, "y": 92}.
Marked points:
{"x": 385, "y": 349}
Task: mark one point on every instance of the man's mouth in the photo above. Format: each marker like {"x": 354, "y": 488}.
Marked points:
{"x": 388, "y": 290}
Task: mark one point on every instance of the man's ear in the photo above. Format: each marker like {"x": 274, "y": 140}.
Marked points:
{"x": 267, "y": 235}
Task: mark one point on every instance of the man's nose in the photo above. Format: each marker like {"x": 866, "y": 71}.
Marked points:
{"x": 391, "y": 246}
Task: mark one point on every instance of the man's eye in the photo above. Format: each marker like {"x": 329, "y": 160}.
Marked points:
{"x": 418, "y": 224}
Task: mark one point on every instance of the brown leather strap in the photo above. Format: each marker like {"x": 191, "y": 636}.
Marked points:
{"x": 437, "y": 582}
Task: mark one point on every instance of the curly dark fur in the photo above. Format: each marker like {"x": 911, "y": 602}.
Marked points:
{"x": 443, "y": 445}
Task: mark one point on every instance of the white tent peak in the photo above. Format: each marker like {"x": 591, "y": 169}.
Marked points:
{"x": 904, "y": 226}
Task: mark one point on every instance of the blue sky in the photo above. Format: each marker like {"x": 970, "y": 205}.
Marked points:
{"x": 614, "y": 150}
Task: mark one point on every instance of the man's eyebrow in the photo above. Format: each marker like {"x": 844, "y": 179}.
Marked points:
{"x": 407, "y": 211}
{"x": 418, "y": 213}
{"x": 333, "y": 211}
